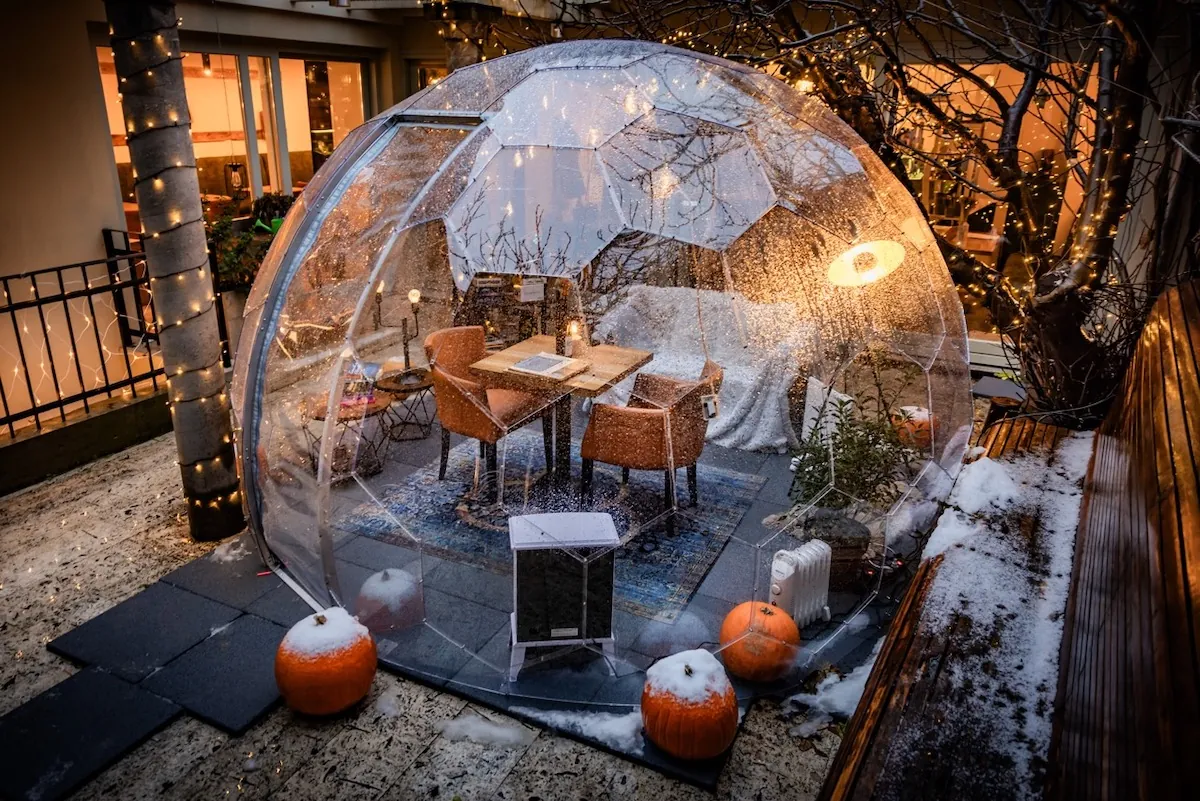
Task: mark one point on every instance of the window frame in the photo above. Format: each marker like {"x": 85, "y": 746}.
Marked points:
{"x": 243, "y": 49}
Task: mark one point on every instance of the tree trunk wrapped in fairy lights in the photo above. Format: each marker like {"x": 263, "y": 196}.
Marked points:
{"x": 149, "y": 64}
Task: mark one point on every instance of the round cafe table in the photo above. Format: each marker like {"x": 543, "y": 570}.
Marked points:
{"x": 411, "y": 409}
{"x": 360, "y": 448}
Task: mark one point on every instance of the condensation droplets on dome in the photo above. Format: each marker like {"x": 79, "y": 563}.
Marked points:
{"x": 603, "y": 277}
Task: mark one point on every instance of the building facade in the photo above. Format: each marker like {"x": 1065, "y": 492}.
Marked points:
{"x": 272, "y": 88}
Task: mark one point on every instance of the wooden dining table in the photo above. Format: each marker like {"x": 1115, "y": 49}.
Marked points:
{"x": 596, "y": 370}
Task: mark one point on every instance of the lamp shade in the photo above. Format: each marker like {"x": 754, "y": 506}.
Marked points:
{"x": 866, "y": 263}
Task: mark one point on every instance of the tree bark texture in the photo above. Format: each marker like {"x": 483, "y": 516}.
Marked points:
{"x": 145, "y": 43}
{"x": 1058, "y": 359}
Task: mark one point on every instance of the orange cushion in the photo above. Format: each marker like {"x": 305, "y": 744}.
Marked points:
{"x": 510, "y": 406}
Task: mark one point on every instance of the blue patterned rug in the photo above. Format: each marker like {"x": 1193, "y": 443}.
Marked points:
{"x": 656, "y": 575}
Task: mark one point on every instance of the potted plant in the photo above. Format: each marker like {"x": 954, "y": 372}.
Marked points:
{"x": 860, "y": 444}
{"x": 237, "y": 247}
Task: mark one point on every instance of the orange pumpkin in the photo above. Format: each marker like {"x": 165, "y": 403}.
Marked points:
{"x": 759, "y": 641}
{"x": 326, "y": 663}
{"x": 689, "y": 708}
{"x": 390, "y": 599}
{"x": 914, "y": 426}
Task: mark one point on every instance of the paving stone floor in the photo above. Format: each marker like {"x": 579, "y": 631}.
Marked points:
{"x": 79, "y": 544}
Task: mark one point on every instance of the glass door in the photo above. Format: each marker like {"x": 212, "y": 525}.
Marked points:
{"x": 322, "y": 102}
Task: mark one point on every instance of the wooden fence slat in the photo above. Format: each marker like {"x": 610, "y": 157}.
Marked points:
{"x": 1127, "y": 713}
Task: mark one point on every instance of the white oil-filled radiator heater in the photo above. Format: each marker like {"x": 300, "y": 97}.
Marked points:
{"x": 800, "y": 581}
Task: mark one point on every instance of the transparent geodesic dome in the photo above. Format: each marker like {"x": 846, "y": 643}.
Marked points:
{"x": 613, "y": 279}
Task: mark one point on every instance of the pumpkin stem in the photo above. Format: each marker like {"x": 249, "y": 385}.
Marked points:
{"x": 386, "y": 575}
{"x": 320, "y": 619}
{"x": 687, "y": 670}
{"x": 766, "y": 610}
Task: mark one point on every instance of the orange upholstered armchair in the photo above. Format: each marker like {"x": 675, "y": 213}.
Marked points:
{"x": 467, "y": 407}
{"x": 662, "y": 428}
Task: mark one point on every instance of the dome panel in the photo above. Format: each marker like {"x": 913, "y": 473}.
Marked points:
{"x": 474, "y": 88}
{"x": 532, "y": 210}
{"x": 687, "y": 179}
{"x": 578, "y": 108}
{"x": 691, "y": 86}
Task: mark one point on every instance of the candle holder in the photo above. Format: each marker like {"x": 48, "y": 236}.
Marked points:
{"x": 414, "y": 300}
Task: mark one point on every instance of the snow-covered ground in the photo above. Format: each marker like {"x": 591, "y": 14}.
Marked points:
{"x": 1008, "y": 580}
{"x": 78, "y": 544}
{"x": 620, "y": 731}
{"x": 835, "y": 696}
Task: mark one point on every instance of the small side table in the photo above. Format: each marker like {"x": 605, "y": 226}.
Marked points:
{"x": 352, "y": 420}
{"x": 410, "y": 391}
{"x": 563, "y": 572}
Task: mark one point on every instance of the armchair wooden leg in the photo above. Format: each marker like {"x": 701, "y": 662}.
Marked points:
{"x": 624, "y": 475}
{"x": 548, "y": 440}
{"x": 693, "y": 484}
{"x": 585, "y": 479}
{"x": 445, "y": 454}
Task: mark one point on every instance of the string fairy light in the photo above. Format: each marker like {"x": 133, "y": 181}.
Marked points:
{"x": 144, "y": 59}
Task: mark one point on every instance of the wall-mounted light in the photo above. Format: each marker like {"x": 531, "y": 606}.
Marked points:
{"x": 866, "y": 262}
{"x": 206, "y": 63}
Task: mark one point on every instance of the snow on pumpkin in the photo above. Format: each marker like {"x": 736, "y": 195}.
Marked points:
{"x": 690, "y": 676}
{"x": 324, "y": 633}
{"x": 390, "y": 599}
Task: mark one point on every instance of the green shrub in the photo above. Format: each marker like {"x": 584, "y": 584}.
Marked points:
{"x": 862, "y": 449}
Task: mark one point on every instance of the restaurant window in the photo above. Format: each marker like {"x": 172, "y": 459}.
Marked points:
{"x": 218, "y": 130}
{"x": 322, "y": 102}
{"x": 262, "y": 99}
{"x": 964, "y": 206}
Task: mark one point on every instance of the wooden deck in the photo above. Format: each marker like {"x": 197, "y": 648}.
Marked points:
{"x": 859, "y": 761}
{"x": 1128, "y": 710}
{"x": 1020, "y": 435}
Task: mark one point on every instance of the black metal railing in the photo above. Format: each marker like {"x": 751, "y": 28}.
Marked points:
{"x": 72, "y": 334}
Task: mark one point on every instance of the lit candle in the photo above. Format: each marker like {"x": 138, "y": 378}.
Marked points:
{"x": 573, "y": 331}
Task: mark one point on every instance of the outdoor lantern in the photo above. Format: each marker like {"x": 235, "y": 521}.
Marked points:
{"x": 646, "y": 286}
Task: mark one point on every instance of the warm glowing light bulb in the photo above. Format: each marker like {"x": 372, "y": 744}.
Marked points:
{"x": 414, "y": 296}
{"x": 866, "y": 262}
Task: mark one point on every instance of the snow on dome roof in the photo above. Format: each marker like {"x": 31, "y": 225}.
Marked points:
{"x": 708, "y": 245}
